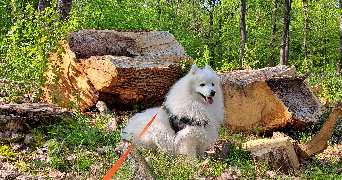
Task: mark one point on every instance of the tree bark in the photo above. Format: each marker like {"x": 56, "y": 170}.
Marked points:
{"x": 287, "y": 50}
{"x": 210, "y": 37}
{"x": 63, "y": 7}
{"x": 42, "y": 4}
{"x": 285, "y": 39}
{"x": 324, "y": 44}
{"x": 219, "y": 44}
{"x": 339, "y": 61}
{"x": 271, "y": 59}
{"x": 243, "y": 32}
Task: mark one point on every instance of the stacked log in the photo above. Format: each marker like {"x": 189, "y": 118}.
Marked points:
{"x": 268, "y": 99}
{"x": 120, "y": 68}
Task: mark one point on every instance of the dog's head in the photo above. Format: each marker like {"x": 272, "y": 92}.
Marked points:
{"x": 205, "y": 83}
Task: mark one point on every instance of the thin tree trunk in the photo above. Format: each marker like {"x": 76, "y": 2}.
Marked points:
{"x": 177, "y": 7}
{"x": 285, "y": 39}
{"x": 210, "y": 37}
{"x": 287, "y": 51}
{"x": 243, "y": 32}
{"x": 324, "y": 44}
{"x": 42, "y": 4}
{"x": 305, "y": 4}
{"x": 274, "y": 18}
{"x": 219, "y": 43}
{"x": 339, "y": 61}
{"x": 63, "y": 7}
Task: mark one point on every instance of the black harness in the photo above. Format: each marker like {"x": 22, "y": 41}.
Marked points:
{"x": 178, "y": 123}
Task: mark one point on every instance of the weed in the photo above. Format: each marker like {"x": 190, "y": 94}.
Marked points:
{"x": 8, "y": 153}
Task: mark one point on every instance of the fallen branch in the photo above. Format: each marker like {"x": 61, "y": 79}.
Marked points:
{"x": 319, "y": 143}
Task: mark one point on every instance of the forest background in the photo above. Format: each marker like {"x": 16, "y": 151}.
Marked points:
{"x": 225, "y": 34}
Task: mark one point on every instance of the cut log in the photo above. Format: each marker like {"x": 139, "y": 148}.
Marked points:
{"x": 120, "y": 68}
{"x": 278, "y": 153}
{"x": 320, "y": 141}
{"x": 268, "y": 99}
{"x": 15, "y": 118}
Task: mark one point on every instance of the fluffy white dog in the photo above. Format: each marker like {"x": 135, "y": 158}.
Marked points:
{"x": 190, "y": 120}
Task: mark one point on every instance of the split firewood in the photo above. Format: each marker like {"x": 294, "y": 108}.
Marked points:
{"x": 319, "y": 142}
{"x": 120, "y": 68}
{"x": 268, "y": 99}
{"x": 278, "y": 153}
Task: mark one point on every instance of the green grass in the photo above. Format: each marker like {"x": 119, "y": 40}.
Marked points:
{"x": 80, "y": 136}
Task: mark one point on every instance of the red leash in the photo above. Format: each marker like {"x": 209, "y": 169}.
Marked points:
{"x": 112, "y": 171}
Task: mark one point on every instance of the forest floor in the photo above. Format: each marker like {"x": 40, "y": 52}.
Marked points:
{"x": 84, "y": 148}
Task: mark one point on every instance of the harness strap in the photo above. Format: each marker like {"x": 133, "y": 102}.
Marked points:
{"x": 178, "y": 123}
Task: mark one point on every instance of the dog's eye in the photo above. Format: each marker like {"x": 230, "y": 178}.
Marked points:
{"x": 202, "y": 84}
{"x": 212, "y": 84}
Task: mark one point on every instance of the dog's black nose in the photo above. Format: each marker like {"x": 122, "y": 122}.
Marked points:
{"x": 212, "y": 93}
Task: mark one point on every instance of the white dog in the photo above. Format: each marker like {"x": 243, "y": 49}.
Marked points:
{"x": 189, "y": 122}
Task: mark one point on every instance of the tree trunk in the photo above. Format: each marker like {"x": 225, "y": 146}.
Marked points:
{"x": 305, "y": 5}
{"x": 211, "y": 36}
{"x": 285, "y": 39}
{"x": 324, "y": 44}
{"x": 42, "y": 4}
{"x": 243, "y": 32}
{"x": 287, "y": 50}
{"x": 271, "y": 59}
{"x": 219, "y": 44}
{"x": 63, "y": 7}
{"x": 339, "y": 61}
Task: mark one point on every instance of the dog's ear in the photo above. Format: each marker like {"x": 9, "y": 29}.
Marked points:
{"x": 209, "y": 68}
{"x": 193, "y": 69}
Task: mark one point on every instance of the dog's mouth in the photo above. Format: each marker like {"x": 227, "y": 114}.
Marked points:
{"x": 209, "y": 100}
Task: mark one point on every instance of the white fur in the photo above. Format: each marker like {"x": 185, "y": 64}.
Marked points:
{"x": 182, "y": 100}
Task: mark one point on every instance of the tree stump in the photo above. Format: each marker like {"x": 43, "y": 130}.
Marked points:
{"x": 279, "y": 154}
{"x": 120, "y": 68}
{"x": 268, "y": 99}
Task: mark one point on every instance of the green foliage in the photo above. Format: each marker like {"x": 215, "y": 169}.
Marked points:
{"x": 8, "y": 152}
{"x": 319, "y": 170}
{"x": 76, "y": 134}
{"x": 310, "y": 131}
{"x": 165, "y": 166}
{"x": 26, "y": 49}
